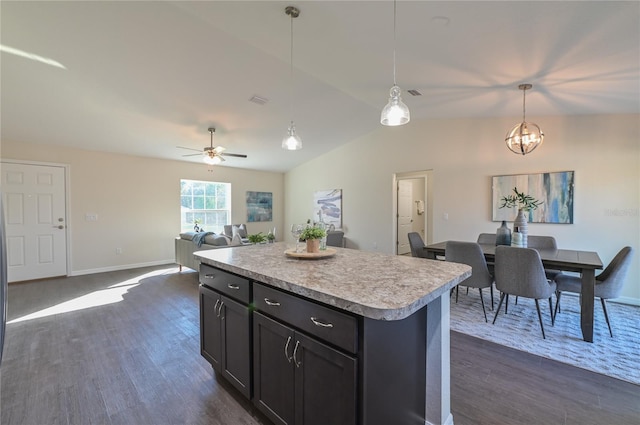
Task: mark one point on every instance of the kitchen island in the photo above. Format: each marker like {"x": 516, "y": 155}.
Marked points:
{"x": 356, "y": 338}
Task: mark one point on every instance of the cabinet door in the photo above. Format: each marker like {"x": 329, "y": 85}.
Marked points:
{"x": 325, "y": 384}
{"x": 273, "y": 369}
{"x": 210, "y": 336}
{"x": 236, "y": 344}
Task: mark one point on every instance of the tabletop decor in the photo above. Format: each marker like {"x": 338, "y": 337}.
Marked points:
{"x": 525, "y": 203}
{"x": 312, "y": 236}
{"x": 329, "y": 252}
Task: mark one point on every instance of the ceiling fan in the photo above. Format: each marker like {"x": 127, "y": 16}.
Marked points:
{"x": 212, "y": 154}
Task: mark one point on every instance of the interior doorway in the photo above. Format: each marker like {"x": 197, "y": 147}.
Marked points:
{"x": 34, "y": 198}
{"x": 412, "y": 208}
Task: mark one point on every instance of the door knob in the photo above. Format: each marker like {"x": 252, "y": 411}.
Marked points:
{"x": 59, "y": 227}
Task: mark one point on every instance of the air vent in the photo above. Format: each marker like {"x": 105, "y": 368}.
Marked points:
{"x": 414, "y": 92}
{"x": 258, "y": 100}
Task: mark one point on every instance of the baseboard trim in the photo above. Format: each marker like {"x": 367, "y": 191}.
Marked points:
{"x": 122, "y": 267}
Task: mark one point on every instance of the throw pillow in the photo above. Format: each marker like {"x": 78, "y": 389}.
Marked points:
{"x": 242, "y": 229}
{"x": 235, "y": 241}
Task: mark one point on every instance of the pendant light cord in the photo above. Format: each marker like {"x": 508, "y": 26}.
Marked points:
{"x": 394, "y": 42}
{"x": 524, "y": 95}
{"x": 291, "y": 73}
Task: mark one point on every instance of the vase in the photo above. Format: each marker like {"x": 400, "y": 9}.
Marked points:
{"x": 313, "y": 245}
{"x": 520, "y": 225}
{"x": 503, "y": 234}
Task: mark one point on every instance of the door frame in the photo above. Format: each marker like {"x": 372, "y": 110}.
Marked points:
{"x": 427, "y": 175}
{"x": 67, "y": 201}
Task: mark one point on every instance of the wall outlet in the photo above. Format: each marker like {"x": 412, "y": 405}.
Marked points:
{"x": 118, "y": 251}
{"x": 445, "y": 216}
{"x": 91, "y": 217}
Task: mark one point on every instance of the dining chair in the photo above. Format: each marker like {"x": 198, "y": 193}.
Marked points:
{"x": 417, "y": 245}
{"x": 487, "y": 238}
{"x": 609, "y": 283}
{"x": 471, "y": 254}
{"x": 544, "y": 243}
{"x": 519, "y": 272}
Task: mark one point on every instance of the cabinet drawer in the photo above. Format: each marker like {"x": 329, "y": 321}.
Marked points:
{"x": 229, "y": 284}
{"x": 322, "y": 322}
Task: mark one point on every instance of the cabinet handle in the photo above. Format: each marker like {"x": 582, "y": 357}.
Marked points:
{"x": 209, "y": 276}
{"x": 216, "y": 306}
{"x": 286, "y": 350}
{"x": 220, "y": 309}
{"x": 233, "y": 286}
{"x": 318, "y": 322}
{"x": 295, "y": 351}
{"x": 271, "y": 303}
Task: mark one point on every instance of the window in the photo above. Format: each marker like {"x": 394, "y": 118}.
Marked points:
{"x": 208, "y": 202}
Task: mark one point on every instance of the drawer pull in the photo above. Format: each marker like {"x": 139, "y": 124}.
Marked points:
{"x": 286, "y": 350}
{"x": 209, "y": 276}
{"x": 295, "y": 352}
{"x": 220, "y": 309}
{"x": 318, "y": 322}
{"x": 271, "y": 303}
{"x": 233, "y": 286}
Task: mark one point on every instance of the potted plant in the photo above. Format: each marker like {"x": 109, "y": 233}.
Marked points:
{"x": 312, "y": 236}
{"x": 257, "y": 238}
{"x": 196, "y": 224}
{"x": 524, "y": 203}
{"x": 271, "y": 237}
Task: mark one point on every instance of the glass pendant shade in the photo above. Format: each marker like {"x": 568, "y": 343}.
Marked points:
{"x": 292, "y": 142}
{"x": 395, "y": 111}
{"x": 524, "y": 138}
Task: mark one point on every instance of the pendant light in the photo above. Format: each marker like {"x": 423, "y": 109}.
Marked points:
{"x": 395, "y": 112}
{"x": 292, "y": 141}
{"x": 526, "y": 136}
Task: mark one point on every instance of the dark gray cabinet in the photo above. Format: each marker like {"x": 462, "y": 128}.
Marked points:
{"x": 225, "y": 334}
{"x": 299, "y": 380}
{"x": 305, "y": 360}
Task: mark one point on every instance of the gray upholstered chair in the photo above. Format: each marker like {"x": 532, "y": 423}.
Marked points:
{"x": 547, "y": 243}
{"x": 487, "y": 238}
{"x": 519, "y": 272}
{"x": 609, "y": 283}
{"x": 417, "y": 245}
{"x": 335, "y": 238}
{"x": 471, "y": 254}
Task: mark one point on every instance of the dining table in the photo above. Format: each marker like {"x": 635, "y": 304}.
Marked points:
{"x": 570, "y": 260}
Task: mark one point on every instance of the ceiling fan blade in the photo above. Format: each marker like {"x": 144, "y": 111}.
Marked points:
{"x": 237, "y": 155}
{"x": 193, "y": 154}
{"x": 219, "y": 149}
{"x": 191, "y": 149}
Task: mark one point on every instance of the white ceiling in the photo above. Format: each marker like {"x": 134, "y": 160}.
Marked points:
{"x": 144, "y": 77}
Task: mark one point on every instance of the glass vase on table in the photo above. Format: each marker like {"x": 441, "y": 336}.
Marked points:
{"x": 296, "y": 231}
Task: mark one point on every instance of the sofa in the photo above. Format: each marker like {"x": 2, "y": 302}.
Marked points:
{"x": 185, "y": 245}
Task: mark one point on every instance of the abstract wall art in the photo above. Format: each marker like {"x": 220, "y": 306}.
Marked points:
{"x": 259, "y": 206}
{"x": 328, "y": 205}
{"x": 554, "y": 190}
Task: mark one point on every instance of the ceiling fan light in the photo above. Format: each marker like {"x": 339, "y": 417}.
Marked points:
{"x": 395, "y": 111}
{"x": 212, "y": 159}
{"x": 292, "y": 142}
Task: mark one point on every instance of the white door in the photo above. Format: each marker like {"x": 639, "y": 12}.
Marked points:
{"x": 405, "y": 221}
{"x": 35, "y": 215}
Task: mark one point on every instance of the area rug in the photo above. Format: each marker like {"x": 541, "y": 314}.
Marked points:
{"x": 618, "y": 357}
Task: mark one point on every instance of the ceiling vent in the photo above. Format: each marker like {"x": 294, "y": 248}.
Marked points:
{"x": 414, "y": 92}
{"x": 258, "y": 100}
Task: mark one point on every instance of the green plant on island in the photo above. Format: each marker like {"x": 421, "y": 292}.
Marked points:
{"x": 521, "y": 200}
{"x": 312, "y": 233}
{"x": 271, "y": 237}
{"x": 257, "y": 238}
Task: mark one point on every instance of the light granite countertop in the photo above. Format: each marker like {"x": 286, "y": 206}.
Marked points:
{"x": 374, "y": 285}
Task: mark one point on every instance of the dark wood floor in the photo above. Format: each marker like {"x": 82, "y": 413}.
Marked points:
{"x": 136, "y": 360}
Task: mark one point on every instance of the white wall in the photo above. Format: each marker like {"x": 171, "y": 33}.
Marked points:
{"x": 137, "y": 201}
{"x": 603, "y": 150}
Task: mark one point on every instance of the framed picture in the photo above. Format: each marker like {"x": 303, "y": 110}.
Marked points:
{"x": 327, "y": 204}
{"x": 553, "y": 190}
{"x": 259, "y": 206}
